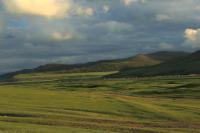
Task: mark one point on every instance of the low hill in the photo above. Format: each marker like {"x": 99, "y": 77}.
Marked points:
{"x": 140, "y": 60}
{"x": 167, "y": 55}
{"x": 189, "y": 64}
{"x": 107, "y": 65}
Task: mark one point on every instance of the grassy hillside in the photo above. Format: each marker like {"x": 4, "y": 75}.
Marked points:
{"x": 167, "y": 55}
{"x": 54, "y": 102}
{"x": 180, "y": 66}
{"x": 110, "y": 65}
{"x": 139, "y": 60}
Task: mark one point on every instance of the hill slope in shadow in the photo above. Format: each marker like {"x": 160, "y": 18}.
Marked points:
{"x": 186, "y": 65}
{"x": 140, "y": 60}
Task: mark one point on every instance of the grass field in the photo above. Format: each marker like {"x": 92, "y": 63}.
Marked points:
{"x": 88, "y": 103}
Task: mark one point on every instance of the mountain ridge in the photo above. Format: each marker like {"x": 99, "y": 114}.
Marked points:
{"x": 139, "y": 60}
{"x": 186, "y": 65}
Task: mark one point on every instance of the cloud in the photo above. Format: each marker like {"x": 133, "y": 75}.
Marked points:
{"x": 59, "y": 36}
{"x": 46, "y": 8}
{"x": 175, "y": 10}
{"x": 114, "y": 26}
{"x": 2, "y": 25}
{"x": 191, "y": 34}
{"x": 162, "y": 17}
{"x": 129, "y": 2}
{"x": 85, "y": 11}
{"x": 166, "y": 46}
{"x": 192, "y": 37}
{"x": 106, "y": 8}
{"x": 89, "y": 11}
{"x": 65, "y": 36}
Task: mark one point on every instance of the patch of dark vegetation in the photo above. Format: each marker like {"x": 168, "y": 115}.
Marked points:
{"x": 190, "y": 85}
{"x": 171, "y": 82}
{"x": 80, "y": 86}
{"x": 179, "y": 91}
{"x": 16, "y": 115}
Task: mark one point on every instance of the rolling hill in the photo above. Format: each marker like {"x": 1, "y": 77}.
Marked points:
{"x": 189, "y": 64}
{"x": 107, "y": 65}
{"x": 140, "y": 60}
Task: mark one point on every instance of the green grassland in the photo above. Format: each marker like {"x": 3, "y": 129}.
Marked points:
{"x": 88, "y": 103}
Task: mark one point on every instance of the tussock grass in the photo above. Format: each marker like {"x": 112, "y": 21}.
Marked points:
{"x": 61, "y": 104}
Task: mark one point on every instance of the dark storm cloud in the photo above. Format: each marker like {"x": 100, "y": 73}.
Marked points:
{"x": 88, "y": 30}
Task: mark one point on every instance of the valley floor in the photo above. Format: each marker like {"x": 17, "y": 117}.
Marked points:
{"x": 88, "y": 103}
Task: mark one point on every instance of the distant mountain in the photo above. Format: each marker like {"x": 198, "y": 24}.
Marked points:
{"x": 189, "y": 64}
{"x": 140, "y": 60}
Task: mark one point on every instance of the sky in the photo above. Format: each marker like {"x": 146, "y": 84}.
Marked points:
{"x": 37, "y": 32}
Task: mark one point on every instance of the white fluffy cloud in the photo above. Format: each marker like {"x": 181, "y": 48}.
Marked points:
{"x": 46, "y": 8}
{"x": 192, "y": 38}
{"x": 191, "y": 34}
